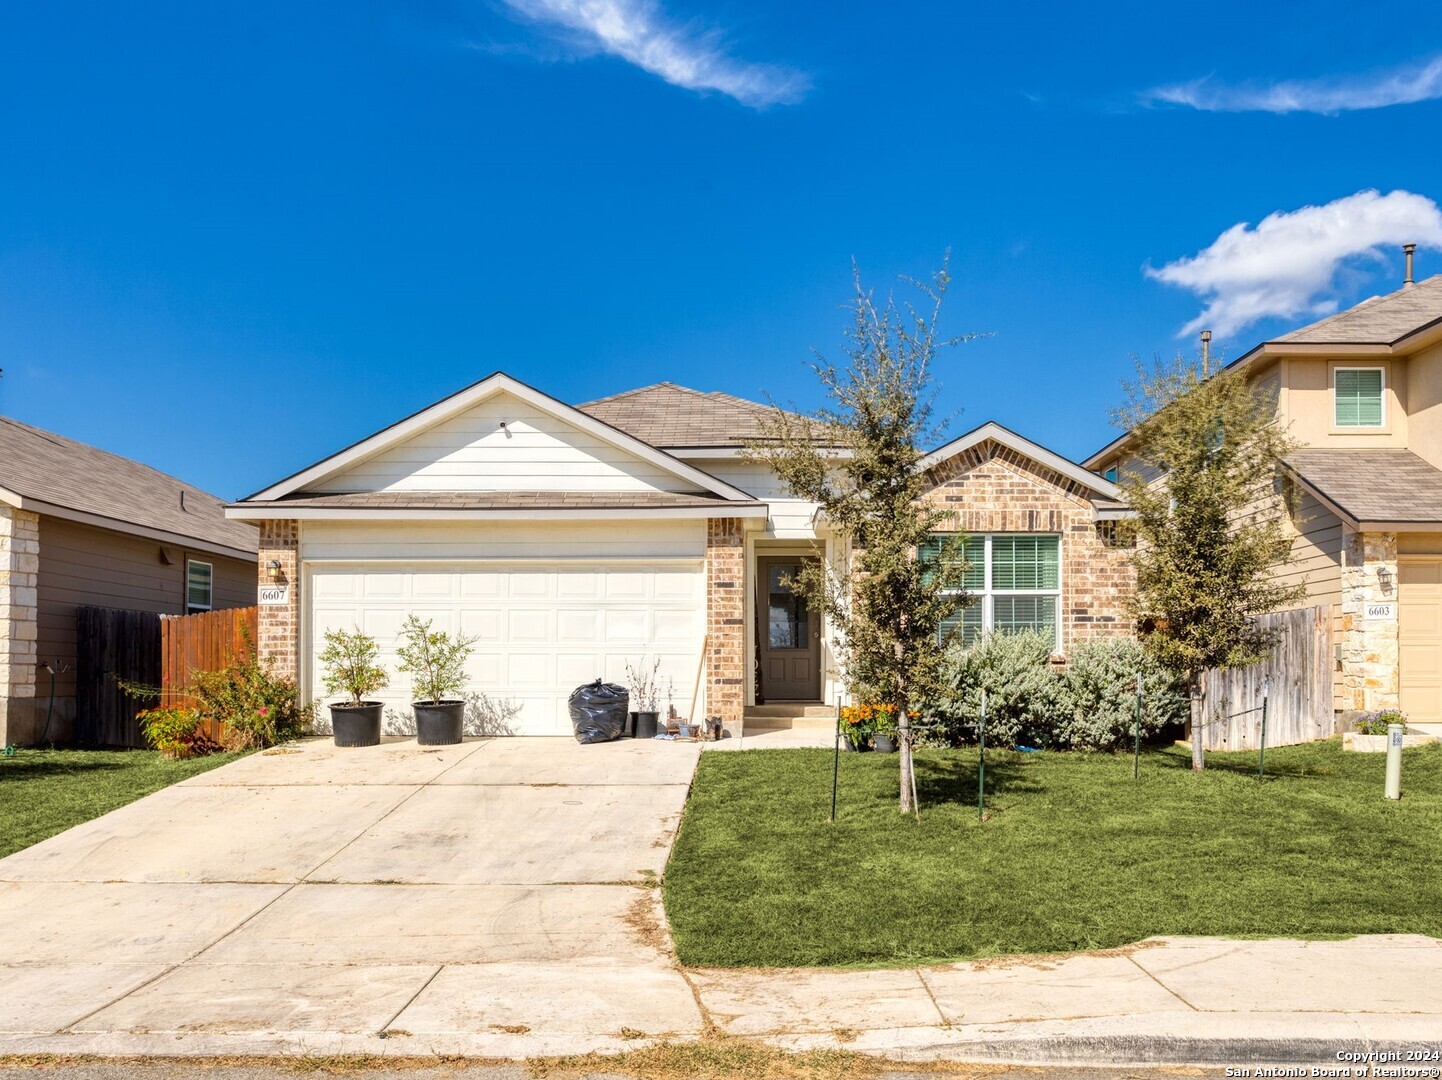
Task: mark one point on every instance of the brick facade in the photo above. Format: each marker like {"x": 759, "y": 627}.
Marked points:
{"x": 725, "y": 618}
{"x": 1369, "y": 673}
{"x": 278, "y": 625}
{"x": 19, "y": 574}
{"x": 990, "y": 488}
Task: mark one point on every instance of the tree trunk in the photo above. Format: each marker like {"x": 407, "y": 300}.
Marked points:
{"x": 903, "y": 738}
{"x": 1199, "y": 720}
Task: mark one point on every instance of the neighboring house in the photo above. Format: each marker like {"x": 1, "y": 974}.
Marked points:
{"x": 572, "y": 540}
{"x": 79, "y": 526}
{"x": 1362, "y": 391}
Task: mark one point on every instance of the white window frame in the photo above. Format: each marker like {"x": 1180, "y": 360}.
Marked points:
{"x": 195, "y": 609}
{"x": 1381, "y": 371}
{"x": 986, "y": 594}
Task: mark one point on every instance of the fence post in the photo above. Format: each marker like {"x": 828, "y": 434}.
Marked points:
{"x": 981, "y": 763}
{"x": 1137, "y": 724}
{"x": 1262, "y": 749}
{"x": 835, "y": 763}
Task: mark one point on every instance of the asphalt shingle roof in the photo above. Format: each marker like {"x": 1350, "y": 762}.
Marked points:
{"x": 1378, "y": 321}
{"x": 500, "y": 500}
{"x": 50, "y": 468}
{"x": 670, "y": 416}
{"x": 1374, "y": 485}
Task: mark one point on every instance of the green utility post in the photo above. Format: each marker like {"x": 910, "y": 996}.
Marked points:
{"x": 835, "y": 763}
{"x": 981, "y": 766}
{"x": 1137, "y": 728}
{"x": 1262, "y": 752}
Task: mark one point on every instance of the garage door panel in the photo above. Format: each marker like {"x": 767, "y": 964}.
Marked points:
{"x": 626, "y": 626}
{"x": 578, "y": 627}
{"x": 528, "y": 624}
{"x": 528, "y": 585}
{"x": 541, "y": 630}
{"x": 673, "y": 627}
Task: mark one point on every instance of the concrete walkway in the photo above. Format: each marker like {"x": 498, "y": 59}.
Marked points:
{"x": 497, "y": 899}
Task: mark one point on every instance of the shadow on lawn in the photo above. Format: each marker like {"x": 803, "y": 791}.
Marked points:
{"x": 1245, "y": 763}
{"x": 950, "y": 780}
{"x": 38, "y": 764}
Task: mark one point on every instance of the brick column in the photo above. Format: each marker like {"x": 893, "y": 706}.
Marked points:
{"x": 278, "y": 625}
{"x": 19, "y": 572}
{"x": 725, "y": 619}
{"x": 1370, "y": 675}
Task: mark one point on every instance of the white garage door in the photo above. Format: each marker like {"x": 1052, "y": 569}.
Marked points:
{"x": 542, "y": 629}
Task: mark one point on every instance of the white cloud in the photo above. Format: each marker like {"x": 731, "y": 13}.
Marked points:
{"x": 637, "y": 32}
{"x": 1287, "y": 265}
{"x": 1400, "y": 86}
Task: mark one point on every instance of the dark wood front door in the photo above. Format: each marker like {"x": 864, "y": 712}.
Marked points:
{"x": 790, "y": 637}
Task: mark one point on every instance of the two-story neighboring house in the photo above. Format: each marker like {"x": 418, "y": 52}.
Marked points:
{"x": 1362, "y": 391}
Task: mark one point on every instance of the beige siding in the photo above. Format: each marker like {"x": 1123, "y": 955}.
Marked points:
{"x": 1424, "y": 405}
{"x": 84, "y": 565}
{"x": 1316, "y": 552}
{"x": 338, "y": 540}
{"x": 534, "y": 452}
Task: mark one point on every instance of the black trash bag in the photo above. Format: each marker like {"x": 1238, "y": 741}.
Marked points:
{"x": 598, "y": 711}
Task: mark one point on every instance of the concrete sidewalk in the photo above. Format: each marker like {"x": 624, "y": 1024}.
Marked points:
{"x": 497, "y": 900}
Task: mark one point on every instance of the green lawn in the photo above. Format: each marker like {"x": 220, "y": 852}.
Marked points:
{"x": 1074, "y": 855}
{"x": 43, "y": 792}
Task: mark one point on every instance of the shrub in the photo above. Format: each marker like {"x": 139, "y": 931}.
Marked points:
{"x": 175, "y": 731}
{"x": 348, "y": 665}
{"x": 1099, "y": 695}
{"x": 258, "y": 708}
{"x": 1375, "y": 723}
{"x": 435, "y": 658}
{"x": 1023, "y": 694}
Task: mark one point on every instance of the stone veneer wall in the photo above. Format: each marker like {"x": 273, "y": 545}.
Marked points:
{"x": 1369, "y": 674}
{"x": 19, "y": 573}
{"x": 725, "y": 619}
{"x": 993, "y": 489}
{"x": 278, "y": 625}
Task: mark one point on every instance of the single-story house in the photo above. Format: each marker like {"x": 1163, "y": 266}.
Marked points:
{"x": 571, "y": 540}
{"x": 80, "y": 526}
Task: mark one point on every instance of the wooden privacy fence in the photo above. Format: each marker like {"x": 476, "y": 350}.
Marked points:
{"x": 1299, "y": 707}
{"x": 113, "y": 645}
{"x": 205, "y": 642}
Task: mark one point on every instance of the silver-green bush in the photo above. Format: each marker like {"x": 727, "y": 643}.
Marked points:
{"x": 1023, "y": 694}
{"x": 1100, "y": 695}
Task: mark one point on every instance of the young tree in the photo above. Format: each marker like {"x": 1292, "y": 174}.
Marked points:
{"x": 857, "y": 460}
{"x": 1210, "y": 524}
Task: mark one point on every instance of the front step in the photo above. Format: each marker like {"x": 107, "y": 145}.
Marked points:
{"x": 790, "y": 716}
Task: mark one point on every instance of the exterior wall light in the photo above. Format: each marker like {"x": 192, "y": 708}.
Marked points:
{"x": 1384, "y": 578}
{"x": 274, "y": 567}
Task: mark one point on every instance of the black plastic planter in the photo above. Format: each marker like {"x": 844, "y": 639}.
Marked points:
{"x": 646, "y": 724}
{"x": 357, "y": 725}
{"x": 884, "y": 744}
{"x": 438, "y": 723}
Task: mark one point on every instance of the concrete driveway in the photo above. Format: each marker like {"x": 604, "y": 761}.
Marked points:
{"x": 496, "y": 897}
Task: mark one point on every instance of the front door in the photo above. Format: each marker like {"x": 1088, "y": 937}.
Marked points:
{"x": 790, "y": 633}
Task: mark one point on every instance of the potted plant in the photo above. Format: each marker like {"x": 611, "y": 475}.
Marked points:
{"x": 643, "y": 686}
{"x": 883, "y": 735}
{"x": 349, "y": 666}
{"x": 858, "y": 724}
{"x": 436, "y": 660}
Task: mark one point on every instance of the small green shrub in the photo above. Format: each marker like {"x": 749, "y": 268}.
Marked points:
{"x": 258, "y": 708}
{"x": 1375, "y": 723}
{"x": 349, "y": 665}
{"x": 436, "y": 659}
{"x": 1099, "y": 695}
{"x": 175, "y": 732}
{"x": 1024, "y": 696}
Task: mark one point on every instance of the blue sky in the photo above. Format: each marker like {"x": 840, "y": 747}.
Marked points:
{"x": 235, "y": 237}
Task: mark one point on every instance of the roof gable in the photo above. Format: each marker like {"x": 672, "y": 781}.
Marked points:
{"x": 677, "y": 417}
{"x": 50, "y": 474}
{"x": 500, "y": 435}
{"x": 1380, "y": 320}
{"x": 1088, "y": 484}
